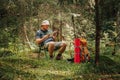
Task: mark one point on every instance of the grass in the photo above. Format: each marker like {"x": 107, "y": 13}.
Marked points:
{"x": 23, "y": 67}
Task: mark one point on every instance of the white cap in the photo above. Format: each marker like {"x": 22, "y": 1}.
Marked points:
{"x": 45, "y": 22}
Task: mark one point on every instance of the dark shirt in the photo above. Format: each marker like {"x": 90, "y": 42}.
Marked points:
{"x": 41, "y": 33}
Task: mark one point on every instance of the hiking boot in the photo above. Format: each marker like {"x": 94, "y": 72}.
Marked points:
{"x": 51, "y": 57}
{"x": 71, "y": 59}
{"x": 59, "y": 57}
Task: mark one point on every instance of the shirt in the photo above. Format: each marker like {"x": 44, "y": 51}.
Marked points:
{"x": 41, "y": 33}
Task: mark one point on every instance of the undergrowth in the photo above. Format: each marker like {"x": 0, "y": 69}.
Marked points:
{"x": 22, "y": 67}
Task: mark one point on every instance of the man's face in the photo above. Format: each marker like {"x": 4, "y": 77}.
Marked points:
{"x": 45, "y": 27}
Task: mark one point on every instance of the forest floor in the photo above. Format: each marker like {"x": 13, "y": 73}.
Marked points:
{"x": 27, "y": 66}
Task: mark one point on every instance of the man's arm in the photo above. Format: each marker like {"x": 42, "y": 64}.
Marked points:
{"x": 40, "y": 40}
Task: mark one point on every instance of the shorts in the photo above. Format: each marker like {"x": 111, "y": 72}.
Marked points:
{"x": 56, "y": 44}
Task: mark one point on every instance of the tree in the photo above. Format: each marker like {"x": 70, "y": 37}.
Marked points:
{"x": 97, "y": 43}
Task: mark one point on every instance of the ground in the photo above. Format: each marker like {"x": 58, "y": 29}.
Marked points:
{"x": 27, "y": 66}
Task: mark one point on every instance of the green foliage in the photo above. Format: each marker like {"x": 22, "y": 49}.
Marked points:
{"x": 5, "y": 53}
{"x": 108, "y": 25}
{"x": 109, "y": 9}
{"x": 15, "y": 60}
{"x": 8, "y": 72}
{"x": 67, "y": 2}
{"x": 22, "y": 66}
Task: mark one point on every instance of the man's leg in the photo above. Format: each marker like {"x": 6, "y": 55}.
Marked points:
{"x": 51, "y": 47}
{"x": 61, "y": 50}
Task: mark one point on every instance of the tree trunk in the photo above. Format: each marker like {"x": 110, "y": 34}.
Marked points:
{"x": 61, "y": 31}
{"x": 73, "y": 24}
{"x": 97, "y": 43}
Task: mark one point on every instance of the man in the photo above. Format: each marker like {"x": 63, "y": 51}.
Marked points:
{"x": 46, "y": 37}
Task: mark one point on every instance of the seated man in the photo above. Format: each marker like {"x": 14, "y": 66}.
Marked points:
{"x": 46, "y": 37}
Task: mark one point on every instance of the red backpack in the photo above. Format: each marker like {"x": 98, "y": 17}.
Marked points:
{"x": 77, "y": 50}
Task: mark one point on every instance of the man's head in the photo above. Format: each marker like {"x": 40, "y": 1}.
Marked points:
{"x": 45, "y": 24}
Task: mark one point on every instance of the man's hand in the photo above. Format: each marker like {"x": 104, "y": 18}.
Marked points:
{"x": 46, "y": 36}
{"x": 55, "y": 33}
{"x": 40, "y": 40}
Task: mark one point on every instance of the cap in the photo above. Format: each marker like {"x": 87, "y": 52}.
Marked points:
{"x": 45, "y": 22}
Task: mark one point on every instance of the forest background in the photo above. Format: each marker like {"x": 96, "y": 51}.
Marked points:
{"x": 98, "y": 19}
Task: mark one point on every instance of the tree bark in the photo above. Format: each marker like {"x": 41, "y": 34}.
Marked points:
{"x": 97, "y": 39}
